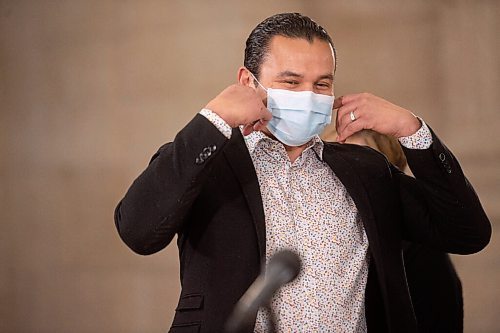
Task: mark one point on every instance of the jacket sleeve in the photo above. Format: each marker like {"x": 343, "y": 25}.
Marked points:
{"x": 440, "y": 206}
{"x": 156, "y": 204}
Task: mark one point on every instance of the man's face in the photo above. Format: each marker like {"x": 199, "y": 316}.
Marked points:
{"x": 296, "y": 64}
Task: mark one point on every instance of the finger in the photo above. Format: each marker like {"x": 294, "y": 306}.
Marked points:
{"x": 349, "y": 98}
{"x": 265, "y": 114}
{"x": 345, "y": 109}
{"x": 247, "y": 129}
{"x": 344, "y": 116}
{"x": 350, "y": 129}
{"x": 260, "y": 125}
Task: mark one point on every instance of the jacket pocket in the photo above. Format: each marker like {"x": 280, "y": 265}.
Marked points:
{"x": 190, "y": 302}
{"x": 185, "y": 328}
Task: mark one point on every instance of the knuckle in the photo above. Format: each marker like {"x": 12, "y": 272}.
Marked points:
{"x": 365, "y": 97}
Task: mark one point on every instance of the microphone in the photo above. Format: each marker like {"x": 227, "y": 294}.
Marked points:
{"x": 283, "y": 267}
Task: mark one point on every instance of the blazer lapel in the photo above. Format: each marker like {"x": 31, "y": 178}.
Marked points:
{"x": 386, "y": 275}
{"x": 236, "y": 153}
{"x": 354, "y": 186}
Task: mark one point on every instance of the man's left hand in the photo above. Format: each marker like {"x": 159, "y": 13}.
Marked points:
{"x": 366, "y": 111}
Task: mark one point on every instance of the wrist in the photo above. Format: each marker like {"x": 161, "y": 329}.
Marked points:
{"x": 215, "y": 108}
{"x": 411, "y": 126}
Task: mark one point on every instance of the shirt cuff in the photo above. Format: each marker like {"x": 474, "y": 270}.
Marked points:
{"x": 218, "y": 122}
{"x": 422, "y": 139}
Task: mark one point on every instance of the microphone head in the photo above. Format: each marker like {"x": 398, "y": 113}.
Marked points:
{"x": 284, "y": 266}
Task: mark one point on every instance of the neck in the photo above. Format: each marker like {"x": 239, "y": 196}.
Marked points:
{"x": 294, "y": 152}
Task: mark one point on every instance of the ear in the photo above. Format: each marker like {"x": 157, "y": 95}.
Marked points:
{"x": 245, "y": 77}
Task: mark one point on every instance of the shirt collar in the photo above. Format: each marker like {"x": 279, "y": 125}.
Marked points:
{"x": 255, "y": 138}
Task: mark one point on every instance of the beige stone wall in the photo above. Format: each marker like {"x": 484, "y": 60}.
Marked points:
{"x": 90, "y": 89}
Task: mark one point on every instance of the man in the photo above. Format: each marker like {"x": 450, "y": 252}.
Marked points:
{"x": 249, "y": 176}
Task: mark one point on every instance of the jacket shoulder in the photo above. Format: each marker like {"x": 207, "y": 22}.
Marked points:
{"x": 355, "y": 151}
{"x": 367, "y": 161}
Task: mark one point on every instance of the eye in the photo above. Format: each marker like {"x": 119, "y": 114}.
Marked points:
{"x": 323, "y": 85}
{"x": 291, "y": 82}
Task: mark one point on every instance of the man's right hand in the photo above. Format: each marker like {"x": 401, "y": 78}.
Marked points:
{"x": 241, "y": 105}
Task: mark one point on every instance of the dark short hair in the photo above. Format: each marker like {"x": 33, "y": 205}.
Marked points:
{"x": 293, "y": 25}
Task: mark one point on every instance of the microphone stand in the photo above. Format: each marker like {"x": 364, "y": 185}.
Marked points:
{"x": 271, "y": 324}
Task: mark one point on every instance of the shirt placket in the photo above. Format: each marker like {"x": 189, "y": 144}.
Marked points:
{"x": 304, "y": 243}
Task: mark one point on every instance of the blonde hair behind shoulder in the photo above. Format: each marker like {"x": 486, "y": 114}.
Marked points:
{"x": 387, "y": 145}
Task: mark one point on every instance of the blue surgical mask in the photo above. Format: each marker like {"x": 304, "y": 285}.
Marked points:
{"x": 298, "y": 116}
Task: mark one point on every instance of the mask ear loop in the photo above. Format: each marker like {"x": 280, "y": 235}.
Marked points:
{"x": 255, "y": 79}
{"x": 260, "y": 84}
{"x": 265, "y": 89}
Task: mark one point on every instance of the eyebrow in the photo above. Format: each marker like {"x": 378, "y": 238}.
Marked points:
{"x": 326, "y": 76}
{"x": 289, "y": 73}
{"x": 293, "y": 74}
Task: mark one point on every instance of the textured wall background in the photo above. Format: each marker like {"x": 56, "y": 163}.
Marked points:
{"x": 90, "y": 89}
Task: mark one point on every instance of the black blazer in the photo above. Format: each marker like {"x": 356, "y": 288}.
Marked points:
{"x": 203, "y": 187}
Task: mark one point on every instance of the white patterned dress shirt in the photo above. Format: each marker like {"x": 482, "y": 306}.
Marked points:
{"x": 308, "y": 210}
